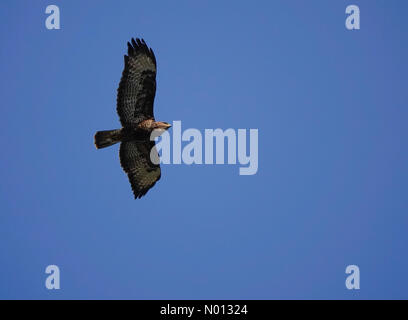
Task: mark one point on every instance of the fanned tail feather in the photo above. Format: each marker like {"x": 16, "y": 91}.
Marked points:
{"x": 107, "y": 138}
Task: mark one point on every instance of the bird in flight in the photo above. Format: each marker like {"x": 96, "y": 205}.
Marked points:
{"x": 135, "y": 99}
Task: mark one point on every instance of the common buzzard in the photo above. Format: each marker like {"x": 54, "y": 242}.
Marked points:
{"x": 135, "y": 99}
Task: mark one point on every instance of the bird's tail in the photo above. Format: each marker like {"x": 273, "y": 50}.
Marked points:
{"x": 107, "y": 138}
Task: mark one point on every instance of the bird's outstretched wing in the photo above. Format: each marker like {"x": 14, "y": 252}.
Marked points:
{"x": 136, "y": 162}
{"x": 137, "y": 86}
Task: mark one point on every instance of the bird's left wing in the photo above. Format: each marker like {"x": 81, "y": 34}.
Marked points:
{"x": 135, "y": 159}
{"x": 137, "y": 86}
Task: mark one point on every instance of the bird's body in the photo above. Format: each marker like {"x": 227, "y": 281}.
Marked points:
{"x": 135, "y": 100}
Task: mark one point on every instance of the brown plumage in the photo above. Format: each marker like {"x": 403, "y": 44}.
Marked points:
{"x": 137, "y": 88}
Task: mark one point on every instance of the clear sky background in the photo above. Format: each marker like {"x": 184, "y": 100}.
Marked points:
{"x": 331, "y": 189}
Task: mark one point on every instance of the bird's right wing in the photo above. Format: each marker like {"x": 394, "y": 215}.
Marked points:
{"x": 137, "y": 86}
{"x": 135, "y": 159}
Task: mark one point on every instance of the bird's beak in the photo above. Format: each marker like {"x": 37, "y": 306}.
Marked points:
{"x": 163, "y": 125}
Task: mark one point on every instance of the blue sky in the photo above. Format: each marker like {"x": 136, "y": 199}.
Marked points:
{"x": 330, "y": 105}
